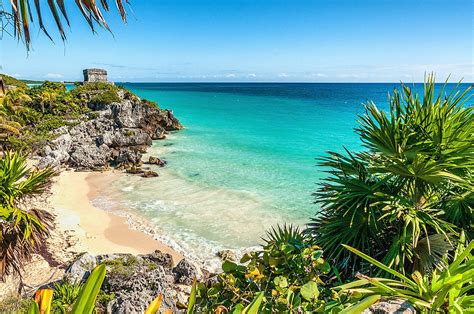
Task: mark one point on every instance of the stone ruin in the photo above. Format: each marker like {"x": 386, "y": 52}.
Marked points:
{"x": 95, "y": 75}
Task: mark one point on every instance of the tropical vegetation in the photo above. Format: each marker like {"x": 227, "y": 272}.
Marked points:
{"x": 289, "y": 271}
{"x": 395, "y": 220}
{"x": 448, "y": 290}
{"x": 23, "y": 230}
{"x": 407, "y": 198}
{"x": 22, "y": 12}
{"x": 28, "y": 116}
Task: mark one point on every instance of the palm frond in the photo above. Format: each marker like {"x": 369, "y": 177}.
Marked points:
{"x": 90, "y": 10}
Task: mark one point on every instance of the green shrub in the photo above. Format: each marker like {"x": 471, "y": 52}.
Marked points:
{"x": 448, "y": 290}
{"x": 287, "y": 270}
{"x": 94, "y": 87}
{"x": 414, "y": 181}
{"x": 64, "y": 296}
{"x": 149, "y": 103}
{"x": 15, "y": 304}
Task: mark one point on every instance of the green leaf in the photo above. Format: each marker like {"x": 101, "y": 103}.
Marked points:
{"x": 310, "y": 291}
{"x": 85, "y": 302}
{"x": 362, "y": 305}
{"x": 192, "y": 298}
{"x": 33, "y": 309}
{"x": 281, "y": 281}
{"x": 380, "y": 265}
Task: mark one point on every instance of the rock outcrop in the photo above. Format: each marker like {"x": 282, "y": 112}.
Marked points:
{"x": 135, "y": 280}
{"x": 390, "y": 306}
{"x": 113, "y": 134}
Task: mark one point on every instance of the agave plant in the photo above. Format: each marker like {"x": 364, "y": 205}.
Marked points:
{"x": 414, "y": 181}
{"x": 22, "y": 15}
{"x": 448, "y": 291}
{"x": 22, "y": 230}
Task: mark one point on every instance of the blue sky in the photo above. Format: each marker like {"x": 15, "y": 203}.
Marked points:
{"x": 260, "y": 40}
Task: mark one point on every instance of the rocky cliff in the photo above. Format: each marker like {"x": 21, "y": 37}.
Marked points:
{"x": 114, "y": 134}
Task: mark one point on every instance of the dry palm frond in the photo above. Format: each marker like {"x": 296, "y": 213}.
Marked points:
{"x": 91, "y": 11}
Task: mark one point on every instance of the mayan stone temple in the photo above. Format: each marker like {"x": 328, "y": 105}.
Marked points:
{"x": 95, "y": 75}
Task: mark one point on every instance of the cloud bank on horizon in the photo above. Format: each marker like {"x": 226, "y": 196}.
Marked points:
{"x": 261, "y": 41}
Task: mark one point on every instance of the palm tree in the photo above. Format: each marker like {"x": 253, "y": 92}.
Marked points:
{"x": 14, "y": 100}
{"x": 414, "y": 183}
{"x": 21, "y": 15}
{"x": 22, "y": 229}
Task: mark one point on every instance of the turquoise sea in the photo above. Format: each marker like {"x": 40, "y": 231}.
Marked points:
{"x": 246, "y": 160}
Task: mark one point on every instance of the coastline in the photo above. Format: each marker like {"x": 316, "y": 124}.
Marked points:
{"x": 98, "y": 231}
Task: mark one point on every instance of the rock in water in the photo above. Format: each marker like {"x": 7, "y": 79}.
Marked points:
{"x": 227, "y": 255}
{"x": 149, "y": 174}
{"x": 156, "y": 161}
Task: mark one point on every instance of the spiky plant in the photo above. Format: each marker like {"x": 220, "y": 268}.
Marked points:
{"x": 414, "y": 181}
{"x": 22, "y": 15}
{"x": 22, "y": 229}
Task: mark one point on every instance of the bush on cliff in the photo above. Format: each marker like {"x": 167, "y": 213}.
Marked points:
{"x": 288, "y": 270}
{"x": 408, "y": 197}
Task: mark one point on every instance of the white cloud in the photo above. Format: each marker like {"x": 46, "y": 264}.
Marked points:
{"x": 53, "y": 75}
{"x": 230, "y": 75}
{"x": 283, "y": 75}
{"x": 251, "y": 75}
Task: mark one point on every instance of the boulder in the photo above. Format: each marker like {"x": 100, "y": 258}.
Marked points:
{"x": 81, "y": 268}
{"x": 186, "y": 271}
{"x": 390, "y": 306}
{"x": 156, "y": 161}
{"x": 113, "y": 134}
{"x": 228, "y": 255}
{"x": 149, "y": 174}
{"x": 159, "y": 258}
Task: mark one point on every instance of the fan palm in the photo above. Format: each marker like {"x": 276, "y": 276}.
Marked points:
{"x": 22, "y": 230}
{"x": 414, "y": 181}
{"x": 22, "y": 15}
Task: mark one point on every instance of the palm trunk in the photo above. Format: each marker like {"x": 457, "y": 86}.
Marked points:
{"x": 2, "y": 86}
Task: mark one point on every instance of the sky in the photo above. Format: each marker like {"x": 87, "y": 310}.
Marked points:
{"x": 258, "y": 41}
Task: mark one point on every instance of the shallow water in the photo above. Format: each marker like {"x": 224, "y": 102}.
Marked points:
{"x": 246, "y": 160}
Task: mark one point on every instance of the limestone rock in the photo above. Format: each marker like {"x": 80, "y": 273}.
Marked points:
{"x": 113, "y": 134}
{"x": 186, "y": 271}
{"x": 156, "y": 161}
{"x": 227, "y": 255}
{"x": 149, "y": 174}
{"x": 390, "y": 306}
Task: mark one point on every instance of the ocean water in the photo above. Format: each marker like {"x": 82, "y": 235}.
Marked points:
{"x": 246, "y": 159}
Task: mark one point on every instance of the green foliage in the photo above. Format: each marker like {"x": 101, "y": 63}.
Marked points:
{"x": 89, "y": 88}
{"x": 106, "y": 98}
{"x": 9, "y": 80}
{"x": 449, "y": 290}
{"x": 64, "y": 296}
{"x": 87, "y": 297}
{"x": 415, "y": 181}
{"x": 84, "y": 300}
{"x": 287, "y": 271}
{"x": 22, "y": 230}
{"x": 149, "y": 103}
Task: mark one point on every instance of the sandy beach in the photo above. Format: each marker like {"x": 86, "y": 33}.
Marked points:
{"x": 96, "y": 230}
